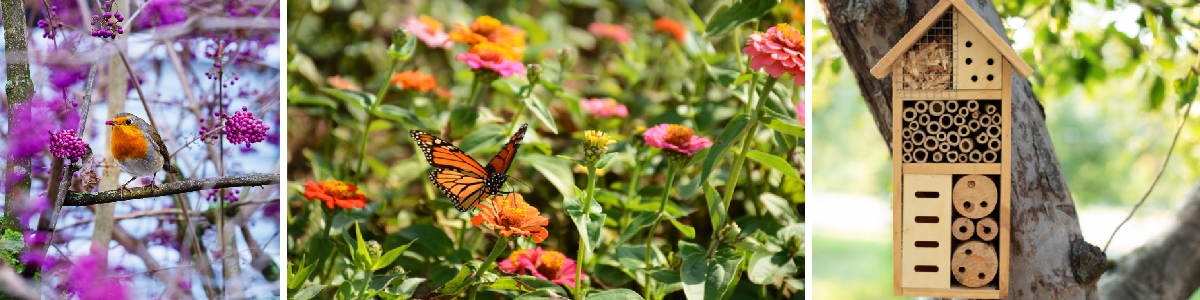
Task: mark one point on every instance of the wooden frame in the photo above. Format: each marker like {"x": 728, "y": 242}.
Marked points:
{"x": 909, "y": 177}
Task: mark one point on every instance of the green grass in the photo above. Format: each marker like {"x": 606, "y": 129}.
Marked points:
{"x": 851, "y": 269}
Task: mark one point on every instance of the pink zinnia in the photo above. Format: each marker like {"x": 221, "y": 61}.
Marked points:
{"x": 429, "y": 31}
{"x": 612, "y": 31}
{"x": 779, "y": 50}
{"x": 676, "y": 138}
{"x": 548, "y": 265}
{"x": 494, "y": 62}
{"x": 800, "y": 113}
{"x": 604, "y": 107}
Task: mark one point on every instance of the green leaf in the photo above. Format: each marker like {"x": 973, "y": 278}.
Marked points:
{"x": 705, "y": 278}
{"x": 390, "y": 256}
{"x": 743, "y": 78}
{"x": 381, "y": 282}
{"x": 458, "y": 282}
{"x": 725, "y": 77}
{"x": 542, "y": 294}
{"x": 728, "y": 17}
{"x": 777, "y": 206}
{"x": 633, "y": 257}
{"x": 319, "y": 6}
{"x": 359, "y": 99}
{"x": 666, "y": 276}
{"x": 687, "y": 9}
{"x": 302, "y": 98}
{"x": 589, "y": 225}
{"x": 611, "y": 275}
{"x": 617, "y": 294}
{"x": 605, "y": 160}
{"x": 716, "y": 206}
{"x": 509, "y": 283}
{"x": 640, "y": 221}
{"x": 1186, "y": 87}
{"x": 778, "y": 163}
{"x": 297, "y": 279}
{"x": 394, "y": 113}
{"x": 557, "y": 171}
{"x": 308, "y": 292}
{"x": 1158, "y": 93}
{"x": 764, "y": 268}
{"x": 433, "y": 239}
{"x": 406, "y": 289}
{"x": 462, "y": 119}
{"x": 722, "y": 144}
{"x": 361, "y": 255}
{"x": 541, "y": 284}
{"x": 750, "y": 244}
{"x": 785, "y": 124}
{"x": 535, "y": 105}
{"x": 403, "y": 53}
{"x": 687, "y": 230}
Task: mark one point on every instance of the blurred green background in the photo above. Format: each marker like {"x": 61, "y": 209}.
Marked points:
{"x": 1104, "y": 72}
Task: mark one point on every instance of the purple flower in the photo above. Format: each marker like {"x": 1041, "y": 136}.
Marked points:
{"x": 86, "y": 280}
{"x": 162, "y": 13}
{"x": 64, "y": 144}
{"x": 243, "y": 128}
{"x": 26, "y": 139}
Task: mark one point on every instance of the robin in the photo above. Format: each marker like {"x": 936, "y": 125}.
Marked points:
{"x": 137, "y": 148}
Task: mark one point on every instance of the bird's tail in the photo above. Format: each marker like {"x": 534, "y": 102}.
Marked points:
{"x": 169, "y": 168}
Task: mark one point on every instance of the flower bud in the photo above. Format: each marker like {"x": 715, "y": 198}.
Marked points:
{"x": 595, "y": 145}
{"x": 567, "y": 58}
{"x": 374, "y": 249}
{"x": 533, "y": 73}
{"x": 399, "y": 37}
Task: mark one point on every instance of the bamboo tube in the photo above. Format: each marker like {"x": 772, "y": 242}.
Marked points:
{"x": 953, "y": 139}
{"x": 906, "y": 133}
{"x": 944, "y": 147}
{"x": 996, "y": 119}
{"x": 994, "y": 145}
{"x": 923, "y": 119}
{"x": 963, "y": 111}
{"x": 952, "y": 156}
{"x": 975, "y": 156}
{"x": 963, "y": 228}
{"x": 974, "y": 264}
{"x": 920, "y": 155}
{"x": 933, "y": 128}
{"x": 937, "y": 108}
{"x": 960, "y": 120}
{"x": 910, "y": 114}
{"x": 918, "y": 137}
{"x": 981, "y": 139}
{"x": 914, "y": 125}
{"x": 989, "y": 109}
{"x": 972, "y": 105}
{"x": 976, "y": 114}
{"x": 946, "y": 121}
{"x": 990, "y": 156}
{"x": 963, "y": 130}
{"x": 908, "y": 157}
{"x": 908, "y": 146}
{"x": 921, "y": 106}
{"x": 941, "y": 136}
{"x": 985, "y": 121}
{"x": 965, "y": 146}
{"x": 962, "y": 158}
{"x": 951, "y": 106}
{"x": 931, "y": 143}
{"x": 937, "y": 157}
{"x": 973, "y": 125}
{"x": 993, "y": 131}
{"x": 987, "y": 228}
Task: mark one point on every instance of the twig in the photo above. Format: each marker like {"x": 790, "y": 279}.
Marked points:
{"x": 254, "y": 179}
{"x": 1179, "y": 128}
{"x": 147, "y": 213}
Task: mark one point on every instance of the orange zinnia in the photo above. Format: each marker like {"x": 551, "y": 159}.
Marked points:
{"x": 510, "y": 216}
{"x": 335, "y": 192}
{"x": 340, "y": 83}
{"x": 671, "y": 26}
{"x": 486, "y": 29}
{"x": 414, "y": 80}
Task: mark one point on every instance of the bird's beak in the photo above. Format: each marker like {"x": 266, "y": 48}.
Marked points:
{"x": 109, "y": 123}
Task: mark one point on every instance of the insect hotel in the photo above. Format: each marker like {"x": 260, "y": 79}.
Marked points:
{"x": 951, "y": 149}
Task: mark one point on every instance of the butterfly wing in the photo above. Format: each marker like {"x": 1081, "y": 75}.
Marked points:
{"x": 443, "y": 155}
{"x": 464, "y": 189}
{"x": 500, "y": 163}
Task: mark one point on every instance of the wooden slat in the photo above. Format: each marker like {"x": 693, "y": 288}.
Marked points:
{"x": 958, "y": 292}
{"x": 956, "y": 168}
{"x": 938, "y": 232}
{"x": 1005, "y": 177}
{"x": 1019, "y": 65}
{"x": 979, "y": 94}
{"x": 953, "y": 95}
{"x": 884, "y": 66}
{"x": 897, "y": 164}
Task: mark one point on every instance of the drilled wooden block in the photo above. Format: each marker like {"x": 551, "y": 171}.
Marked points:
{"x": 974, "y": 264}
{"x": 978, "y": 61}
{"x": 926, "y": 231}
{"x": 975, "y": 196}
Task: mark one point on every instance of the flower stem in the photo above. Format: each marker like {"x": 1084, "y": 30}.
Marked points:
{"x": 735, "y": 171}
{"x": 479, "y": 88}
{"x": 500, "y": 245}
{"x": 362, "y": 149}
{"x": 662, "y": 207}
{"x": 633, "y": 183}
{"x": 587, "y": 209}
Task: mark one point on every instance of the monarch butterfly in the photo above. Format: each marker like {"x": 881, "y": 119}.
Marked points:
{"x": 459, "y": 176}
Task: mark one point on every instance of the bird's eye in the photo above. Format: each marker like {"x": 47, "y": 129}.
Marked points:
{"x": 128, "y": 122}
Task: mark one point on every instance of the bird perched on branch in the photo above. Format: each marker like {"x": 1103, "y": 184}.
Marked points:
{"x": 137, "y": 148}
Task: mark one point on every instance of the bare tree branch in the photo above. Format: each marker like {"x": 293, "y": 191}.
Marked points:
{"x": 254, "y": 179}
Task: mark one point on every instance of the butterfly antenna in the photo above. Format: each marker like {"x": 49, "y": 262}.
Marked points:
{"x": 522, "y": 183}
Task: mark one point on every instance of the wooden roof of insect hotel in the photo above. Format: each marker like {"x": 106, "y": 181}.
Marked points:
{"x": 884, "y": 66}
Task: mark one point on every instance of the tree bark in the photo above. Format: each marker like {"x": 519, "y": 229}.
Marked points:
{"x": 1044, "y": 222}
{"x": 1165, "y": 268}
{"x": 19, "y": 89}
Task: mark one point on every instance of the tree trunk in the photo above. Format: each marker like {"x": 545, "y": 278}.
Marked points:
{"x": 1165, "y": 268}
{"x": 19, "y": 89}
{"x": 1044, "y": 223}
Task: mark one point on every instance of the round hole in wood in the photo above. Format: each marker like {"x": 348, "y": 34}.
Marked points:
{"x": 987, "y": 230}
{"x": 974, "y": 78}
{"x": 991, "y": 77}
{"x": 983, "y": 204}
{"x": 961, "y": 269}
{"x": 967, "y": 206}
{"x": 968, "y": 61}
{"x": 981, "y": 276}
{"x": 969, "y": 44}
{"x": 968, "y": 251}
{"x": 971, "y": 183}
{"x": 962, "y": 229}
{"x": 991, "y": 61}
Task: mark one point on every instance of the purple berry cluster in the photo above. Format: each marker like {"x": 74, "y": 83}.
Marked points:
{"x": 64, "y": 144}
{"x": 206, "y": 133}
{"x": 50, "y": 25}
{"x": 244, "y": 128}
{"x": 231, "y": 195}
{"x": 108, "y": 23}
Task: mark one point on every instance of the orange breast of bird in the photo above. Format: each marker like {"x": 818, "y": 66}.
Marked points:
{"x": 127, "y": 143}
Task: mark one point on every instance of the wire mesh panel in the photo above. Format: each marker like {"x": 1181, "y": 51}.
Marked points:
{"x": 928, "y": 68}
